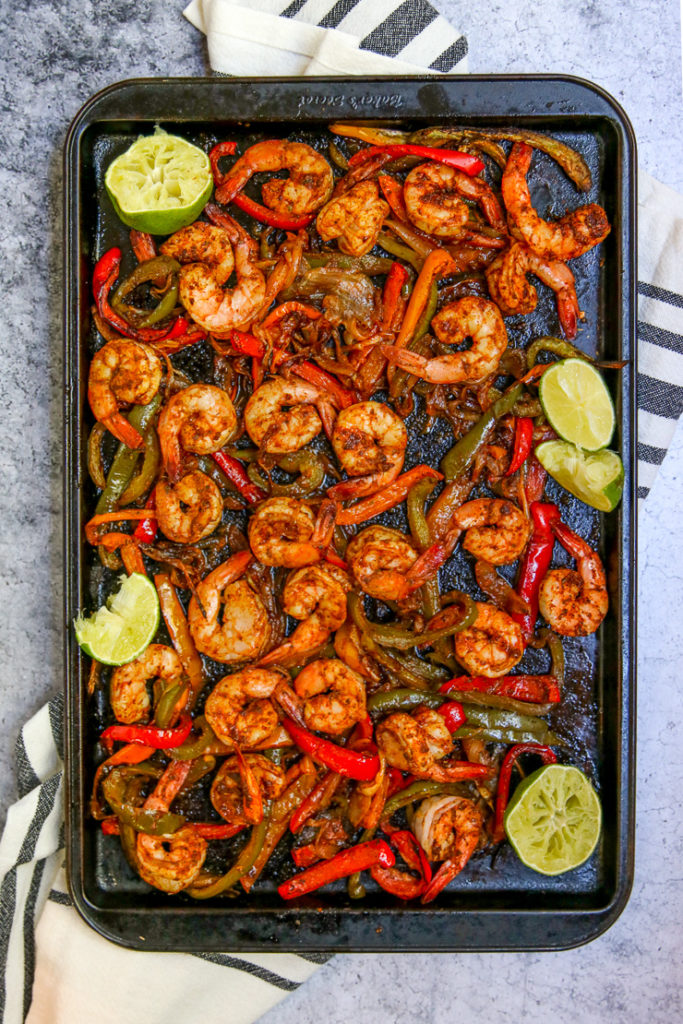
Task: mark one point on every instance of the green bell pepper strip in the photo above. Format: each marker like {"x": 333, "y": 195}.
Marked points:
{"x": 149, "y": 270}
{"x": 167, "y": 705}
{"x": 399, "y": 636}
{"x": 402, "y": 252}
{"x": 142, "y": 482}
{"x": 422, "y": 535}
{"x": 458, "y": 460}
{"x": 153, "y": 822}
{"x": 244, "y": 862}
{"x": 418, "y": 791}
{"x": 193, "y": 748}
{"x": 125, "y": 459}
{"x": 425, "y": 320}
{"x": 565, "y": 350}
{"x": 403, "y": 699}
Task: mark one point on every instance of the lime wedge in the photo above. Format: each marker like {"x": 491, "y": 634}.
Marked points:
{"x": 160, "y": 184}
{"x": 577, "y": 404}
{"x": 122, "y": 629}
{"x": 595, "y": 477}
{"x": 553, "y": 819}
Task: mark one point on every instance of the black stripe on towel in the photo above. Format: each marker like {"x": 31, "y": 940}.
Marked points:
{"x": 26, "y": 777}
{"x": 8, "y": 900}
{"x": 56, "y": 712}
{"x": 658, "y": 336}
{"x": 46, "y": 802}
{"x": 643, "y": 492}
{"x": 649, "y": 453}
{"x": 336, "y": 14}
{"x": 62, "y": 898}
{"x": 400, "y": 28}
{"x": 659, "y": 397}
{"x": 653, "y": 292}
{"x": 316, "y": 958}
{"x": 29, "y": 934}
{"x": 223, "y": 960}
{"x": 293, "y": 8}
{"x": 451, "y": 56}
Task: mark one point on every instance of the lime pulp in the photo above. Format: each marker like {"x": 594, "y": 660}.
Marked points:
{"x": 577, "y": 404}
{"x": 124, "y": 627}
{"x": 597, "y": 478}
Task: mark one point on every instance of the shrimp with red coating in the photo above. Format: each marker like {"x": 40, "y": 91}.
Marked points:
{"x": 316, "y": 596}
{"x": 128, "y": 692}
{"x": 227, "y": 618}
{"x": 333, "y": 696}
{"x": 201, "y": 419}
{"x": 418, "y": 743}
{"x": 574, "y": 601}
{"x": 287, "y": 532}
{"x": 492, "y": 645}
{"x": 170, "y": 863}
{"x": 281, "y": 416}
{"x": 434, "y": 195}
{"x": 449, "y": 829}
{"x": 355, "y": 219}
{"x": 515, "y": 295}
{"x": 189, "y": 509}
{"x": 369, "y": 440}
{"x": 379, "y": 559}
{"x": 241, "y": 784}
{"x": 122, "y": 372}
{"x": 305, "y": 190}
{"x": 241, "y": 710}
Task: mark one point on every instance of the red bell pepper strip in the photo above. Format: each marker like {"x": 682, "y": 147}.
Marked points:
{"x": 451, "y": 157}
{"x": 146, "y": 530}
{"x": 344, "y": 863}
{"x": 149, "y": 735}
{"x": 397, "y": 882}
{"x": 104, "y": 275}
{"x": 181, "y": 638}
{"x": 266, "y": 216}
{"x": 536, "y": 562}
{"x": 247, "y": 344}
{"x": 286, "y": 308}
{"x": 452, "y": 714}
{"x": 524, "y": 431}
{"x": 346, "y": 762}
{"x": 503, "y": 791}
{"x": 333, "y": 558}
{"x": 391, "y": 296}
{"x": 342, "y": 396}
{"x": 533, "y": 689}
{"x": 392, "y": 191}
{"x": 317, "y": 800}
{"x": 237, "y": 475}
{"x": 393, "y": 494}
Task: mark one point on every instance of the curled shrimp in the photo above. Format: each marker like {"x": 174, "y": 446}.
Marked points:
{"x": 307, "y": 188}
{"x": 354, "y": 218}
{"x": 202, "y": 285}
{"x": 280, "y": 415}
{"x": 379, "y": 559}
{"x": 170, "y": 863}
{"x": 285, "y": 531}
{"x": 469, "y": 317}
{"x": 449, "y": 829}
{"x": 497, "y": 530}
{"x": 574, "y": 601}
{"x": 189, "y": 509}
{"x": 241, "y": 783}
{"x": 492, "y": 646}
{"x": 434, "y": 195}
{"x": 227, "y": 618}
{"x": 122, "y": 372}
{"x": 240, "y": 707}
{"x": 369, "y": 440}
{"x": 564, "y": 239}
{"x": 128, "y": 692}
{"x": 514, "y": 294}
{"x": 316, "y": 596}
{"x": 203, "y": 243}
{"x": 199, "y": 419}
{"x": 333, "y": 696}
{"x": 416, "y": 743}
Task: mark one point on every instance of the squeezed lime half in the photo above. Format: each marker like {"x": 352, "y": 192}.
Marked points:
{"x": 124, "y": 627}
{"x": 595, "y": 477}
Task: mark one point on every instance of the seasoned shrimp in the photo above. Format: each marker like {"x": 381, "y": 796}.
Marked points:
{"x": 122, "y": 372}
{"x": 574, "y": 601}
{"x": 497, "y": 530}
{"x": 128, "y": 694}
{"x": 280, "y": 415}
{"x": 492, "y": 646}
{"x": 379, "y": 559}
{"x": 416, "y": 743}
{"x": 190, "y": 509}
{"x": 348, "y": 646}
{"x": 449, "y": 829}
{"x": 285, "y": 531}
{"x": 199, "y": 419}
{"x": 514, "y": 294}
{"x": 227, "y": 619}
{"x": 170, "y": 863}
{"x": 434, "y": 195}
{"x": 316, "y": 596}
{"x": 369, "y": 440}
{"x": 240, "y": 707}
{"x": 333, "y": 696}
{"x": 236, "y": 793}
{"x": 469, "y": 317}
{"x": 307, "y": 188}
{"x": 203, "y": 243}
{"x": 355, "y": 219}
{"x": 564, "y": 239}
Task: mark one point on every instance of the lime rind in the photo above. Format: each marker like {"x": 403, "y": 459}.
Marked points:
{"x": 553, "y": 820}
{"x": 596, "y": 478}
{"x": 123, "y": 628}
{"x": 577, "y": 404}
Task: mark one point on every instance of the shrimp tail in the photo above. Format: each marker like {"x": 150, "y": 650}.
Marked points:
{"x": 568, "y": 312}
{"x": 410, "y": 361}
{"x": 118, "y": 425}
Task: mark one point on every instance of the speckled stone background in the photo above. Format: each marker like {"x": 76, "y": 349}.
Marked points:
{"x": 53, "y": 57}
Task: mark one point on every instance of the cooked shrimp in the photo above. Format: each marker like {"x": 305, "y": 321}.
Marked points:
{"x": 227, "y": 619}
{"x": 469, "y": 317}
{"x": 316, "y": 596}
{"x": 434, "y": 197}
{"x": 333, "y": 695}
{"x": 280, "y": 415}
{"x": 355, "y": 219}
{"x": 285, "y": 531}
{"x": 416, "y": 743}
{"x": 564, "y": 239}
{"x": 492, "y": 646}
{"x": 122, "y": 372}
{"x": 497, "y": 530}
{"x": 240, "y": 707}
{"x": 348, "y": 646}
{"x": 190, "y": 509}
{"x": 307, "y": 188}
{"x": 203, "y": 243}
{"x": 199, "y": 419}
{"x": 128, "y": 693}
{"x": 369, "y": 440}
{"x": 234, "y": 791}
{"x": 574, "y": 601}
{"x": 170, "y": 863}
{"x": 448, "y": 828}
{"x": 514, "y": 294}
{"x": 379, "y": 558}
